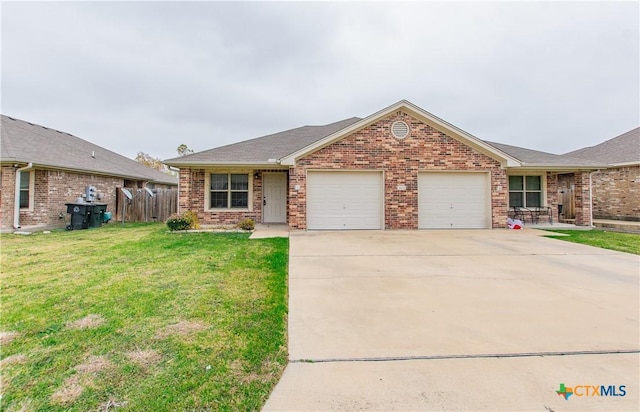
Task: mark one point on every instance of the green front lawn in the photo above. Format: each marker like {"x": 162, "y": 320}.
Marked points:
{"x": 137, "y": 318}
{"x": 622, "y": 242}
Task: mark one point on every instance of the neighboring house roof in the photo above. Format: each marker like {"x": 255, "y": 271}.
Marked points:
{"x": 286, "y": 147}
{"x": 24, "y": 142}
{"x": 621, "y": 150}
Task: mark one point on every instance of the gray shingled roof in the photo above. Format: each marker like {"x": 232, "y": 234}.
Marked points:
{"x": 278, "y": 145}
{"x": 531, "y": 157}
{"x": 26, "y": 142}
{"x": 261, "y": 149}
{"x": 621, "y": 149}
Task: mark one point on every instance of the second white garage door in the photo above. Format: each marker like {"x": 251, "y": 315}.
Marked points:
{"x": 453, "y": 201}
{"x": 344, "y": 200}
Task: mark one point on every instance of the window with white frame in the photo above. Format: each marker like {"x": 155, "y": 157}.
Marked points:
{"x": 25, "y": 190}
{"x": 525, "y": 191}
{"x": 229, "y": 191}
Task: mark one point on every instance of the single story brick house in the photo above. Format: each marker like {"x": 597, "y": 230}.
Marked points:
{"x": 399, "y": 168}
{"x": 616, "y": 190}
{"x": 42, "y": 169}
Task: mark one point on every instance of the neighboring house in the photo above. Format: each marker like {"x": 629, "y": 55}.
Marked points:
{"x": 42, "y": 169}
{"x": 400, "y": 168}
{"x": 616, "y": 190}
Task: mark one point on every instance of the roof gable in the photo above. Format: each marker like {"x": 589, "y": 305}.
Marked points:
{"x": 25, "y": 142}
{"x": 623, "y": 149}
{"x": 416, "y": 112}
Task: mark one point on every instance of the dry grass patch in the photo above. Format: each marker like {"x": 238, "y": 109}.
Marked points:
{"x": 111, "y": 403}
{"x": 93, "y": 364}
{"x": 69, "y": 392}
{"x": 13, "y": 359}
{"x": 88, "y": 322}
{"x": 74, "y": 385}
{"x": 7, "y": 337}
{"x": 143, "y": 358}
{"x": 182, "y": 328}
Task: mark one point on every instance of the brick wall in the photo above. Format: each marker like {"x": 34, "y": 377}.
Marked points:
{"x": 374, "y": 148}
{"x": 192, "y": 197}
{"x": 583, "y": 201}
{"x": 616, "y": 193}
{"x": 552, "y": 194}
{"x": 52, "y": 189}
{"x": 7, "y": 198}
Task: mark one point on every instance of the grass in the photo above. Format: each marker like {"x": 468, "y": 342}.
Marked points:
{"x": 622, "y": 242}
{"x": 135, "y": 318}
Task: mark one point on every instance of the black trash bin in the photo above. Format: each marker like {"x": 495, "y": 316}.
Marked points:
{"x": 97, "y": 214}
{"x": 80, "y": 215}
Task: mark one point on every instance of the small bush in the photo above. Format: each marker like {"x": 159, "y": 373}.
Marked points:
{"x": 178, "y": 222}
{"x": 192, "y": 218}
{"x": 247, "y": 224}
{"x": 185, "y": 221}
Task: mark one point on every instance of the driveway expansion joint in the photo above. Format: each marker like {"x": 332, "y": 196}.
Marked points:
{"x": 467, "y": 356}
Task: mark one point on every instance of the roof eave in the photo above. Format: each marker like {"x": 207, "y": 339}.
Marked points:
{"x": 86, "y": 171}
{"x": 559, "y": 168}
{"x": 262, "y": 165}
{"x": 417, "y": 112}
{"x": 623, "y": 164}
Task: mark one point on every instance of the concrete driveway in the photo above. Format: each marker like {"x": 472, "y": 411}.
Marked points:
{"x": 458, "y": 320}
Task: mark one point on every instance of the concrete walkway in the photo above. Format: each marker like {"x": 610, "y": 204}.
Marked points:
{"x": 457, "y": 320}
{"x": 618, "y": 225}
{"x": 267, "y": 230}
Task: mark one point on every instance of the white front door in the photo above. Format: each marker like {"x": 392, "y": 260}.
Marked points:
{"x": 274, "y": 201}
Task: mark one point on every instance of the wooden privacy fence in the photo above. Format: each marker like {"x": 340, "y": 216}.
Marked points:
{"x": 143, "y": 207}
{"x": 568, "y": 202}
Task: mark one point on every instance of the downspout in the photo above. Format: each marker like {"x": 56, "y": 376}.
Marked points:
{"x": 16, "y": 205}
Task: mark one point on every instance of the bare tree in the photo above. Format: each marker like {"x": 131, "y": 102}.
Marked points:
{"x": 148, "y": 160}
{"x": 184, "y": 150}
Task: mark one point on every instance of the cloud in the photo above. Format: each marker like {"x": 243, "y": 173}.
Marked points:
{"x": 552, "y": 76}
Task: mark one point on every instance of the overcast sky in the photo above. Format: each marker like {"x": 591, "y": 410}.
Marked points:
{"x": 149, "y": 76}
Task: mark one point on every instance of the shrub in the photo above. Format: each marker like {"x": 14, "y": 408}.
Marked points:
{"x": 178, "y": 222}
{"x": 192, "y": 218}
{"x": 184, "y": 221}
{"x": 247, "y": 224}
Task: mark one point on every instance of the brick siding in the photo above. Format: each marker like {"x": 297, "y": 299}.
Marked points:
{"x": 616, "y": 193}
{"x": 374, "y": 148}
{"x": 552, "y": 194}
{"x": 52, "y": 189}
{"x": 583, "y": 201}
{"x": 7, "y": 197}
{"x": 192, "y": 197}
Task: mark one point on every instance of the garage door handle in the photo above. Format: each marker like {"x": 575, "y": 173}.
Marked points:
{"x": 264, "y": 201}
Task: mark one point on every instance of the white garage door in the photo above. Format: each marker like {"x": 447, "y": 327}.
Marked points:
{"x": 344, "y": 200}
{"x": 453, "y": 201}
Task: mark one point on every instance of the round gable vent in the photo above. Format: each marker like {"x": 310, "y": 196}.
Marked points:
{"x": 399, "y": 129}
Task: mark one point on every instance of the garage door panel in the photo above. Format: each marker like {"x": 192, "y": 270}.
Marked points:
{"x": 344, "y": 200}
{"x": 453, "y": 200}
